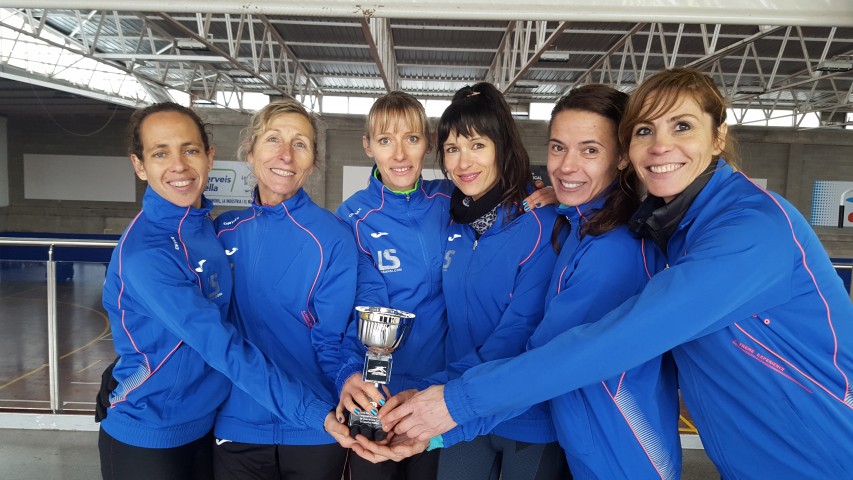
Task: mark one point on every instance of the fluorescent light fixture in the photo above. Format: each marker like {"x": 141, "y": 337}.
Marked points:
{"x": 526, "y": 84}
{"x": 750, "y": 90}
{"x": 835, "y": 66}
{"x": 239, "y": 73}
{"x": 162, "y": 57}
{"x": 554, "y": 57}
{"x": 191, "y": 45}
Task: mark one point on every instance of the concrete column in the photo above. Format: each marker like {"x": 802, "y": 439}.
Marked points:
{"x": 795, "y": 191}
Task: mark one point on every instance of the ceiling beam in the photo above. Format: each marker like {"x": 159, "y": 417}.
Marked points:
{"x": 734, "y": 12}
{"x": 521, "y": 47}
{"x": 11, "y": 73}
{"x": 380, "y": 40}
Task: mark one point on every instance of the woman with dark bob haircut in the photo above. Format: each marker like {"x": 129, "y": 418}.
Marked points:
{"x": 497, "y": 264}
{"x": 758, "y": 322}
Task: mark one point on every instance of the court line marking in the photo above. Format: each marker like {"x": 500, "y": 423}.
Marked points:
{"x": 690, "y": 427}
{"x": 103, "y": 333}
{"x": 88, "y": 367}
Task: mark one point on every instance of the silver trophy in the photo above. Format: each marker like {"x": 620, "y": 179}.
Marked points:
{"x": 382, "y": 330}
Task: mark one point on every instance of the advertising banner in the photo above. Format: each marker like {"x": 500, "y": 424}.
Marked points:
{"x": 230, "y": 183}
{"x": 832, "y": 204}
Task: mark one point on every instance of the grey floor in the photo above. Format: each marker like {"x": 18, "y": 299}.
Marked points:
{"x": 55, "y": 455}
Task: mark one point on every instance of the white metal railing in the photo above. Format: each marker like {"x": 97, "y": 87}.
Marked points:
{"x": 52, "y": 346}
{"x": 53, "y": 350}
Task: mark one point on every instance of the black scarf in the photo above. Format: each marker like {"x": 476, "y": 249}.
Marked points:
{"x": 480, "y": 214}
{"x": 658, "y": 220}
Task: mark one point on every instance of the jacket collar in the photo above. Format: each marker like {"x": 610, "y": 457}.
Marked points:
{"x": 292, "y": 203}
{"x": 379, "y": 188}
{"x": 580, "y": 214}
{"x": 167, "y": 214}
{"x": 658, "y": 220}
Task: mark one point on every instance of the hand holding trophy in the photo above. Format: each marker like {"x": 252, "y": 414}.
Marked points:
{"x": 382, "y": 330}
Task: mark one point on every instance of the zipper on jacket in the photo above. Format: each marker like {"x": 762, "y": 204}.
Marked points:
{"x": 475, "y": 245}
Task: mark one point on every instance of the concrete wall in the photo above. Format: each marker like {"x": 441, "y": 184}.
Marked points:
{"x": 63, "y": 135}
{"x": 790, "y": 160}
{"x": 4, "y": 165}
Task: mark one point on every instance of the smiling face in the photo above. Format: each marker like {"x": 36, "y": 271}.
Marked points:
{"x": 471, "y": 163}
{"x": 173, "y": 161}
{"x": 583, "y": 155}
{"x": 669, "y": 152}
{"x": 282, "y": 157}
{"x": 399, "y": 154}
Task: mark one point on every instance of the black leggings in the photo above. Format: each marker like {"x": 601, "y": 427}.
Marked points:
{"x": 490, "y": 457}
{"x": 249, "y": 461}
{"x": 120, "y": 461}
{"x": 423, "y": 466}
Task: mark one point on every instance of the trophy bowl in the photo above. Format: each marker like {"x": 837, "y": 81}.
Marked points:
{"x": 383, "y": 329}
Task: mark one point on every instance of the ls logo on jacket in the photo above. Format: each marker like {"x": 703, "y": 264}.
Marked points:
{"x": 387, "y": 261}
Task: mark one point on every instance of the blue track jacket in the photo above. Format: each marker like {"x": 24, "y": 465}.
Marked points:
{"x": 401, "y": 241}
{"x": 495, "y": 290}
{"x": 759, "y": 324}
{"x": 294, "y": 268}
{"x": 625, "y": 427}
{"x": 167, "y": 293}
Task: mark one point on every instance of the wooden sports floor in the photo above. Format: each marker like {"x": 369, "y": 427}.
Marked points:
{"x": 83, "y": 335}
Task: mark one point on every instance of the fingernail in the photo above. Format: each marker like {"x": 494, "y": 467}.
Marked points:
{"x": 381, "y": 401}
{"x": 374, "y": 412}
{"x": 526, "y": 209}
{"x": 340, "y": 419}
{"x": 524, "y": 202}
{"x": 356, "y": 411}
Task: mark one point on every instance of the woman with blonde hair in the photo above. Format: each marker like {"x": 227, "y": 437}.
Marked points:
{"x": 294, "y": 267}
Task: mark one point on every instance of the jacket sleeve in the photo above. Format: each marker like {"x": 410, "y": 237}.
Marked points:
{"x": 519, "y": 319}
{"x": 169, "y": 297}
{"x": 738, "y": 264}
{"x": 604, "y": 275}
{"x": 333, "y": 302}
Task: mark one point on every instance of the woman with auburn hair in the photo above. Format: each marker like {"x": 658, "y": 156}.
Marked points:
{"x": 757, "y": 320}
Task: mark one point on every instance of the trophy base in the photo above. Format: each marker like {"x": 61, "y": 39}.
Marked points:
{"x": 366, "y": 424}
